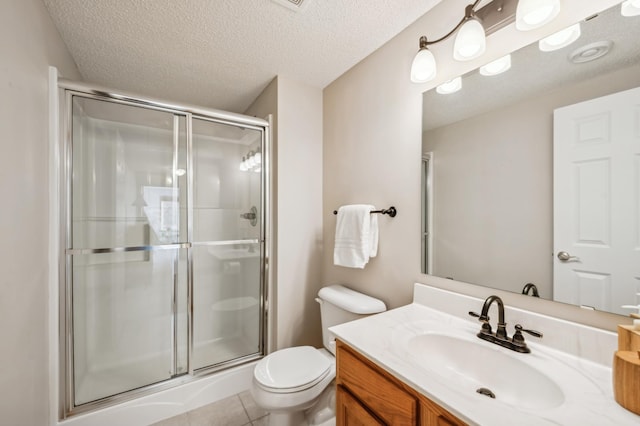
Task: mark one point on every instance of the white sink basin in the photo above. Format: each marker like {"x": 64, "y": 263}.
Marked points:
{"x": 468, "y": 366}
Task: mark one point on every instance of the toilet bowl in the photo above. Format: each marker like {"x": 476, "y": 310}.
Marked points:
{"x": 290, "y": 381}
{"x": 296, "y": 385}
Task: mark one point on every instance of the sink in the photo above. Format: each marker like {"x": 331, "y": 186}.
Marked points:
{"x": 470, "y": 367}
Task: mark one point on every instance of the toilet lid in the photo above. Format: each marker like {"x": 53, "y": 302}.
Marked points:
{"x": 292, "y": 369}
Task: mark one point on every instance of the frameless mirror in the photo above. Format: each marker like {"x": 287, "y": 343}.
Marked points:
{"x": 524, "y": 176}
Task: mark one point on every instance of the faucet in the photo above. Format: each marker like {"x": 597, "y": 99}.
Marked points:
{"x": 516, "y": 343}
{"x": 530, "y": 287}
{"x": 484, "y": 317}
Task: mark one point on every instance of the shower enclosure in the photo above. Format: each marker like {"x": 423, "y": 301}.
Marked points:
{"x": 163, "y": 269}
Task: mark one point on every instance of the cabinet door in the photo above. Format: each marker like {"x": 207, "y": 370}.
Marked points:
{"x": 349, "y": 412}
{"x": 375, "y": 389}
{"x": 432, "y": 414}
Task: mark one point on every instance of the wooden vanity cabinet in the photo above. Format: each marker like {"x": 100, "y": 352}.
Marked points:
{"x": 368, "y": 395}
{"x": 431, "y": 414}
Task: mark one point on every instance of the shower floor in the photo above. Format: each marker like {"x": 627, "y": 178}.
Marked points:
{"x": 98, "y": 384}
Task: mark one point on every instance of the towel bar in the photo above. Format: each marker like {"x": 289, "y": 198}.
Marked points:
{"x": 391, "y": 211}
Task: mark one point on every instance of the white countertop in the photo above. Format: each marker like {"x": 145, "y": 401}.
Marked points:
{"x": 586, "y": 385}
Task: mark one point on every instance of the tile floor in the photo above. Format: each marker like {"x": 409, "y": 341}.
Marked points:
{"x": 237, "y": 410}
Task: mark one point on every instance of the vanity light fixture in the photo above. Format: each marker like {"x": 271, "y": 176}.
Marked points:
{"x": 467, "y": 46}
{"x": 560, "y": 39}
{"x": 470, "y": 40}
{"x": 532, "y": 14}
{"x": 630, "y": 8}
{"x": 423, "y": 68}
{"x": 450, "y": 86}
{"x": 251, "y": 162}
{"x": 496, "y": 67}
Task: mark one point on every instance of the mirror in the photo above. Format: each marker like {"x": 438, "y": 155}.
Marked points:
{"x": 488, "y": 168}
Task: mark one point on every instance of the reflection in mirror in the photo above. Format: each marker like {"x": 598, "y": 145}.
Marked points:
{"x": 492, "y": 147}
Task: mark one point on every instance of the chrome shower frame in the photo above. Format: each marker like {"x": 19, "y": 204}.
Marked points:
{"x": 68, "y": 89}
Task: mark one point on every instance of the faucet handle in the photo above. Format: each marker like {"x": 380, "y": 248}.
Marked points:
{"x": 518, "y": 338}
{"x": 477, "y": 315}
{"x": 486, "y": 327}
{"x": 534, "y": 333}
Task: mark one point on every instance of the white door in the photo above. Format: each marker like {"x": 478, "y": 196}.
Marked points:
{"x": 597, "y": 202}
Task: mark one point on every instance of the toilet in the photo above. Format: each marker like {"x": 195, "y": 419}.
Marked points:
{"x": 296, "y": 385}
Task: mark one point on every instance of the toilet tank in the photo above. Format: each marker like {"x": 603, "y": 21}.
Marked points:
{"x": 339, "y": 304}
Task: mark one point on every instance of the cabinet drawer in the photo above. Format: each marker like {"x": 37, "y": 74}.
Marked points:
{"x": 378, "y": 392}
{"x": 351, "y": 412}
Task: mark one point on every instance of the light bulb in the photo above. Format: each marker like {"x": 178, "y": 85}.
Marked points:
{"x": 250, "y": 161}
{"x": 532, "y": 14}
{"x": 180, "y": 172}
{"x": 630, "y": 8}
{"x": 423, "y": 67}
{"x": 257, "y": 158}
{"x": 496, "y": 67}
{"x": 450, "y": 86}
{"x": 470, "y": 41}
{"x": 560, "y": 39}
{"x": 243, "y": 165}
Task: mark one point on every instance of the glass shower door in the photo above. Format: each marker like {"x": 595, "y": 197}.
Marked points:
{"x": 227, "y": 242}
{"x": 126, "y": 248}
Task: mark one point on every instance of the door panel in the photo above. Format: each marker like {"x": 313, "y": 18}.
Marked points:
{"x": 128, "y": 277}
{"x": 121, "y": 343}
{"x": 597, "y": 202}
{"x": 227, "y": 246}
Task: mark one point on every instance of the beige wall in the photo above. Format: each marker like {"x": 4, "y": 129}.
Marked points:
{"x": 372, "y": 150}
{"x": 29, "y": 44}
{"x": 498, "y": 179}
{"x": 299, "y": 213}
{"x": 297, "y": 175}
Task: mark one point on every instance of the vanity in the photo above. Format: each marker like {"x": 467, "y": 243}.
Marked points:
{"x": 423, "y": 364}
{"x": 368, "y": 394}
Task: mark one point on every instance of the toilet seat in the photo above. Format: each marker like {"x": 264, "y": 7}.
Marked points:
{"x": 292, "y": 369}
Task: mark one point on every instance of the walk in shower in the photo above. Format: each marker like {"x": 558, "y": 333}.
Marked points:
{"x": 163, "y": 269}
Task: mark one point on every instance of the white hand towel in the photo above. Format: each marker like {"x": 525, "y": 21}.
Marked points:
{"x": 356, "y": 236}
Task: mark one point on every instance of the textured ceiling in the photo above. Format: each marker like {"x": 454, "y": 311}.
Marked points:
{"x": 222, "y": 53}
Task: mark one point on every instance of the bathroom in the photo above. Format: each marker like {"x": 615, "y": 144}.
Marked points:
{"x": 373, "y": 103}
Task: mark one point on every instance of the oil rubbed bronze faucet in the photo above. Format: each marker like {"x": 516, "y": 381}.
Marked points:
{"x": 530, "y": 287}
{"x": 516, "y": 343}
